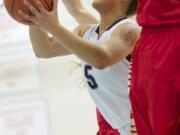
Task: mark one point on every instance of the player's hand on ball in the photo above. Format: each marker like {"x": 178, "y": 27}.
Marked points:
{"x": 40, "y": 17}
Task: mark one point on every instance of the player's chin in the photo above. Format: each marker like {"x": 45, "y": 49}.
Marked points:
{"x": 99, "y": 4}
{"x": 96, "y": 4}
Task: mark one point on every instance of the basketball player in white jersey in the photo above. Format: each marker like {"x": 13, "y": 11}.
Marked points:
{"x": 82, "y": 16}
{"x": 102, "y": 48}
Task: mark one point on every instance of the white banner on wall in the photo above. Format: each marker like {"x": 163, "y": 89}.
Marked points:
{"x": 19, "y": 70}
{"x": 24, "y": 118}
{"x": 18, "y": 74}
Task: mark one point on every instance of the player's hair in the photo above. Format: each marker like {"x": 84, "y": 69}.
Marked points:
{"x": 132, "y": 8}
{"x": 76, "y": 66}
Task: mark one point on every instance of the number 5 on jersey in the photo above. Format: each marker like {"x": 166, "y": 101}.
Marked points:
{"x": 91, "y": 80}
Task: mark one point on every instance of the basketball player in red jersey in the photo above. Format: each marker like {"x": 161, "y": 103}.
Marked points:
{"x": 155, "y": 76}
{"x": 82, "y": 16}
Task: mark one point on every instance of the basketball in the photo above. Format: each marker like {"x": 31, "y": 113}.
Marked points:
{"x": 12, "y": 7}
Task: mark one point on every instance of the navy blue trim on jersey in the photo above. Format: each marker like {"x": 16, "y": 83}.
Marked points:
{"x": 129, "y": 58}
{"x": 117, "y": 21}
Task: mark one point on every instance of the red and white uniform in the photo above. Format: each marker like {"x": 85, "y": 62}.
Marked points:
{"x": 109, "y": 87}
{"x": 104, "y": 127}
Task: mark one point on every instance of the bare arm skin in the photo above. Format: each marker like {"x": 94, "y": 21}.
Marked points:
{"x": 119, "y": 45}
{"x": 47, "y": 47}
{"x": 77, "y": 10}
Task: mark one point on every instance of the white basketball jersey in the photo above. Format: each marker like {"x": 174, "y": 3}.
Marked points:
{"x": 109, "y": 87}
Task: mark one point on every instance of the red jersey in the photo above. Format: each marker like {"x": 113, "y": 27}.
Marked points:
{"x": 158, "y": 12}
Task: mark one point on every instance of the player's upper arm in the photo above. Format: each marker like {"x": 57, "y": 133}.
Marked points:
{"x": 122, "y": 42}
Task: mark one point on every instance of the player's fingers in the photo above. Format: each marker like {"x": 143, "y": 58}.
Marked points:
{"x": 133, "y": 127}
{"x": 133, "y": 133}
{"x": 40, "y": 6}
{"x": 133, "y": 130}
{"x": 25, "y": 16}
{"x": 31, "y": 8}
{"x": 55, "y": 5}
{"x": 27, "y": 23}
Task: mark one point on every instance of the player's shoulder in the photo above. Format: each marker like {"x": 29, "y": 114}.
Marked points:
{"x": 128, "y": 32}
{"x": 128, "y": 26}
{"x": 82, "y": 29}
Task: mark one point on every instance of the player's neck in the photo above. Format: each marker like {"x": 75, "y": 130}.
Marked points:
{"x": 107, "y": 20}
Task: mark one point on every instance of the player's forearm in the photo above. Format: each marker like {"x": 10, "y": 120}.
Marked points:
{"x": 87, "y": 51}
{"x": 40, "y": 42}
{"x": 44, "y": 46}
{"x": 76, "y": 9}
{"x": 72, "y": 5}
